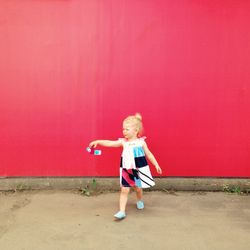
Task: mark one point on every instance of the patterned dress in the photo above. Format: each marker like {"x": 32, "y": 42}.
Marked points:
{"x": 134, "y": 169}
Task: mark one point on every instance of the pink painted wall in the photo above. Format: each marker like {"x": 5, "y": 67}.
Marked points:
{"x": 70, "y": 71}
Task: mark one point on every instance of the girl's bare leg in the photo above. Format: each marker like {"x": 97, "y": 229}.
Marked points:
{"x": 139, "y": 193}
{"x": 124, "y": 198}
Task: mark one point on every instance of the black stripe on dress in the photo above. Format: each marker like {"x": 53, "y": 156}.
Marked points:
{"x": 146, "y": 183}
{"x": 124, "y": 183}
{"x": 146, "y": 176}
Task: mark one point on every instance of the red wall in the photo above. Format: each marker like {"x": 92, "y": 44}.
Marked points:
{"x": 70, "y": 71}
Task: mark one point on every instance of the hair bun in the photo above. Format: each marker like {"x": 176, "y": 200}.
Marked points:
{"x": 138, "y": 116}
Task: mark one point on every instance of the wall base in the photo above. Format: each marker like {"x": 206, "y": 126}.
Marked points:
{"x": 112, "y": 183}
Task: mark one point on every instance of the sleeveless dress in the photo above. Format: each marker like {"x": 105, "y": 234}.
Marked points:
{"x": 134, "y": 169}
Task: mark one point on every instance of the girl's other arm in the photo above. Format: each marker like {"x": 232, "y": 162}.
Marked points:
{"x": 151, "y": 157}
{"x": 105, "y": 143}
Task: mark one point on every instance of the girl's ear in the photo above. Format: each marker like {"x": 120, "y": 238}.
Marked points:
{"x": 137, "y": 129}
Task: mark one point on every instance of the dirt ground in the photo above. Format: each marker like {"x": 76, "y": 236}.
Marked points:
{"x": 58, "y": 220}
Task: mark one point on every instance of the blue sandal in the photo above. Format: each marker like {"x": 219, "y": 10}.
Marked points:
{"x": 140, "y": 205}
{"x": 120, "y": 215}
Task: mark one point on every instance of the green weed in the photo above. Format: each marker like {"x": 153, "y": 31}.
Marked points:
{"x": 232, "y": 189}
{"x": 89, "y": 189}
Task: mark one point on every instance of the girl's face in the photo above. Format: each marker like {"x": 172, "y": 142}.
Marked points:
{"x": 130, "y": 131}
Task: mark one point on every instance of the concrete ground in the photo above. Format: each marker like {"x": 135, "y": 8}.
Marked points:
{"x": 58, "y": 220}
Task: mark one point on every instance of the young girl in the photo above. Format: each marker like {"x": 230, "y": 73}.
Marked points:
{"x": 134, "y": 169}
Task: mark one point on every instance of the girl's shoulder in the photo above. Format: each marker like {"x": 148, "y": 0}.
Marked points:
{"x": 121, "y": 139}
{"x": 143, "y": 138}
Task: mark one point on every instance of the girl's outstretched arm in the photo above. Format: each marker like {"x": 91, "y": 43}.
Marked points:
{"x": 105, "y": 143}
{"x": 151, "y": 157}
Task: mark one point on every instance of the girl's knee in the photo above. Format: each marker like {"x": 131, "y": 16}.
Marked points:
{"x": 138, "y": 190}
{"x": 125, "y": 190}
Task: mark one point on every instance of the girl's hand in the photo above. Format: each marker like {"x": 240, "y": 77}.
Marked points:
{"x": 158, "y": 169}
{"x": 93, "y": 144}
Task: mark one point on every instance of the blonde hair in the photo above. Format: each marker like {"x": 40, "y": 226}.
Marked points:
{"x": 136, "y": 120}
